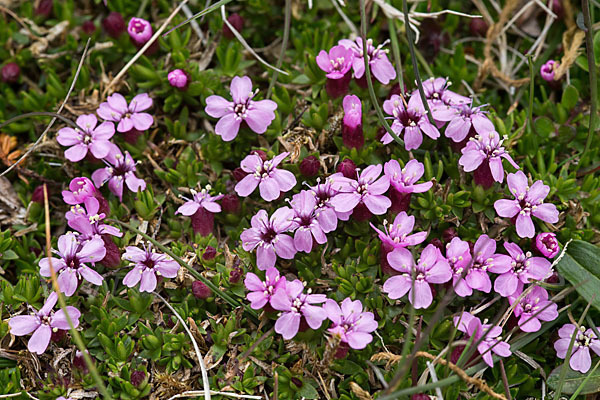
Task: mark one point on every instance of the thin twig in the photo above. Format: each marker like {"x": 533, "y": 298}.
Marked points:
{"x": 43, "y": 135}
{"x": 205, "y": 381}
{"x": 589, "y": 44}
{"x": 202, "y": 13}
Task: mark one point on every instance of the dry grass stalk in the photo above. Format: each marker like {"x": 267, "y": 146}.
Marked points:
{"x": 360, "y": 392}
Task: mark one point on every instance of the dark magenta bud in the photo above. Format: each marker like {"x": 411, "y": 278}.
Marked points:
{"x": 79, "y": 361}
{"x": 114, "y": 24}
{"x": 352, "y": 131}
{"x": 209, "y": 253}
{"x": 88, "y": 27}
{"x": 230, "y": 203}
{"x": 400, "y": 200}
{"x": 236, "y": 21}
{"x": 310, "y": 166}
{"x": 361, "y": 213}
{"x": 478, "y": 27}
{"x": 483, "y": 175}
{"x": 44, "y": 8}
{"x": 38, "y": 194}
{"x": 260, "y": 153}
{"x": 112, "y": 258}
{"x": 338, "y": 87}
{"x": 347, "y": 168}
{"x": 203, "y": 222}
{"x": 437, "y": 243}
{"x": 235, "y": 275}
{"x": 420, "y": 396}
{"x": 137, "y": 377}
{"x": 200, "y": 290}
{"x": 449, "y": 234}
{"x": 238, "y": 174}
{"x": 10, "y": 72}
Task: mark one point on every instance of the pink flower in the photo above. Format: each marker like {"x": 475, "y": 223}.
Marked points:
{"x": 367, "y": 189}
{"x": 533, "y": 308}
{"x": 439, "y": 96}
{"x": 87, "y": 220}
{"x": 270, "y": 180}
{"x": 547, "y": 244}
{"x": 257, "y": 114}
{"x": 306, "y": 223}
{"x": 350, "y": 323}
{"x": 404, "y": 180}
{"x": 336, "y": 63}
{"x": 462, "y": 118}
{"x": 326, "y": 213}
{"x": 261, "y": 292}
{"x": 585, "y": 340}
{"x": 409, "y": 119}
{"x": 352, "y": 131}
{"x": 517, "y": 269}
{"x": 140, "y": 30}
{"x": 42, "y": 323}
{"x": 486, "y": 149}
{"x": 178, "y": 78}
{"x": 397, "y": 235}
{"x": 483, "y": 260}
{"x": 127, "y": 116}
{"x": 381, "y": 67}
{"x": 528, "y": 201}
{"x": 267, "y": 236}
{"x": 488, "y": 337}
{"x": 88, "y": 137}
{"x": 416, "y": 279}
{"x": 72, "y": 264}
{"x": 548, "y": 70}
{"x": 201, "y": 199}
{"x": 296, "y": 305}
{"x": 79, "y": 190}
{"x": 459, "y": 259}
{"x": 148, "y": 265}
{"x": 120, "y": 170}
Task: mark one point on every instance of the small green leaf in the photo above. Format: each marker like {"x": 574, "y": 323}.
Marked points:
{"x": 574, "y": 379}
{"x": 570, "y": 97}
{"x": 581, "y": 266}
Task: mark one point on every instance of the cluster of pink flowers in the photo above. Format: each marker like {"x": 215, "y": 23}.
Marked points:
{"x": 91, "y": 139}
{"x": 298, "y": 307}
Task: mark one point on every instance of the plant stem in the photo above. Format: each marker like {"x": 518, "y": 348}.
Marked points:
{"x": 284, "y": 43}
{"x": 589, "y": 44}
{"x": 396, "y": 51}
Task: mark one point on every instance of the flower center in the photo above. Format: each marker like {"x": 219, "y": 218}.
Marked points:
{"x": 138, "y": 27}
{"x": 269, "y": 235}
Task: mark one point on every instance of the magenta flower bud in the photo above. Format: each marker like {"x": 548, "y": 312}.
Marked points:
{"x": 437, "y": 243}
{"x": 203, "y": 221}
{"x": 239, "y": 174}
{"x": 338, "y": 87}
{"x": 112, "y": 258}
{"x": 478, "y": 27}
{"x": 114, "y": 24}
{"x": 230, "y": 203}
{"x": 352, "y": 132}
{"x": 44, "y": 8}
{"x": 420, "y": 396}
{"x": 79, "y": 361}
{"x": 449, "y": 234}
{"x": 88, "y": 27}
{"x": 261, "y": 154}
{"x": 236, "y": 21}
{"x": 310, "y": 166}
{"x": 547, "y": 244}
{"x": 140, "y": 31}
{"x": 137, "y": 377}
{"x": 200, "y": 290}
{"x": 547, "y": 70}
{"x": 347, "y": 168}
{"x": 10, "y": 72}
{"x": 38, "y": 194}
{"x": 235, "y": 275}
{"x": 209, "y": 253}
{"x": 178, "y": 78}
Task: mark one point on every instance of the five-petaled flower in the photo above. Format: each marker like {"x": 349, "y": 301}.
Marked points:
{"x": 408, "y": 119}
{"x": 486, "y": 150}
{"x": 120, "y": 171}
{"x": 148, "y": 265}
{"x": 350, "y": 323}
{"x": 271, "y": 181}
{"x": 72, "y": 264}
{"x": 337, "y": 62}
{"x": 459, "y": 258}
{"x": 585, "y": 339}
{"x": 87, "y": 137}
{"x": 267, "y": 236}
{"x": 201, "y": 199}
{"x": 116, "y": 109}
{"x": 295, "y": 305}
{"x": 306, "y": 222}
{"x": 533, "y": 308}
{"x": 379, "y": 64}
{"x": 398, "y": 234}
{"x": 42, "y": 323}
{"x": 416, "y": 278}
{"x": 257, "y": 114}
{"x": 368, "y": 189}
{"x": 529, "y": 200}
{"x": 261, "y": 292}
{"x": 487, "y": 336}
